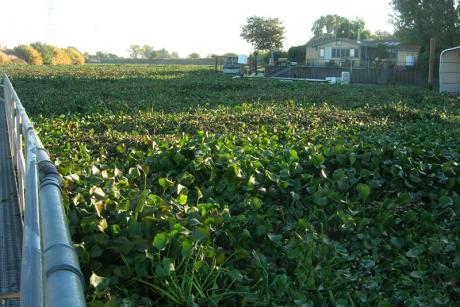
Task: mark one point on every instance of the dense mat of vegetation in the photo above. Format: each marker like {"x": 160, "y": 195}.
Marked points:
{"x": 187, "y": 187}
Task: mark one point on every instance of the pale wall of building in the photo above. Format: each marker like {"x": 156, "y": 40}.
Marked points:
{"x": 449, "y": 72}
{"x": 406, "y": 58}
{"x": 313, "y": 54}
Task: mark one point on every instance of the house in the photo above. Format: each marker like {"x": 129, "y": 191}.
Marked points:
{"x": 392, "y": 51}
{"x": 330, "y": 51}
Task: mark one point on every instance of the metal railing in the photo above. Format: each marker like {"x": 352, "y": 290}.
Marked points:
{"x": 50, "y": 272}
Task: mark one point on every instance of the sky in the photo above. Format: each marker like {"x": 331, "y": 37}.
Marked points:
{"x": 184, "y": 26}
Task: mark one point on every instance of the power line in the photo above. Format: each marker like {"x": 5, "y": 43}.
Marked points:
{"x": 51, "y": 23}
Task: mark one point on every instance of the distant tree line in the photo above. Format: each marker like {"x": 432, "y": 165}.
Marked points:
{"x": 40, "y": 53}
{"x": 148, "y": 52}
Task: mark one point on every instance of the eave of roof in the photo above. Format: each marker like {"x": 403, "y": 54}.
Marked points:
{"x": 314, "y": 42}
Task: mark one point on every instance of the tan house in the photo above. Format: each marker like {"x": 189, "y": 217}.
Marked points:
{"x": 325, "y": 51}
{"x": 329, "y": 51}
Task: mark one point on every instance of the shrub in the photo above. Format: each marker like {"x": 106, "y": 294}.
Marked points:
{"x": 28, "y": 54}
{"x": 45, "y": 50}
{"x": 4, "y": 58}
{"x": 75, "y": 56}
{"x": 60, "y": 57}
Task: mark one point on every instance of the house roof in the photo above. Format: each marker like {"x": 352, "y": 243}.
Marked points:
{"x": 325, "y": 39}
{"x": 390, "y": 43}
{"x": 371, "y": 43}
{"x": 409, "y": 47}
{"x": 378, "y": 42}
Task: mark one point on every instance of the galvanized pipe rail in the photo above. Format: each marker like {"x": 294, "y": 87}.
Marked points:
{"x": 50, "y": 272}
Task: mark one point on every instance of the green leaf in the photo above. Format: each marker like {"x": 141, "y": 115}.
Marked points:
{"x": 415, "y": 252}
{"x": 121, "y": 148}
{"x": 200, "y": 234}
{"x": 363, "y": 190}
{"x": 220, "y": 256}
{"x": 160, "y": 240}
{"x": 255, "y": 202}
{"x": 186, "y": 248}
{"x": 274, "y": 237}
{"x": 417, "y": 274}
{"x": 294, "y": 155}
{"x": 199, "y": 194}
{"x": 442, "y": 300}
{"x": 397, "y": 242}
{"x": 403, "y": 199}
{"x": 445, "y": 201}
{"x": 165, "y": 183}
{"x": 341, "y": 302}
{"x": 122, "y": 245}
{"x": 182, "y": 199}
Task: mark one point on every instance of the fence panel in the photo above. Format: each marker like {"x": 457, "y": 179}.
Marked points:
{"x": 50, "y": 272}
{"x": 358, "y": 75}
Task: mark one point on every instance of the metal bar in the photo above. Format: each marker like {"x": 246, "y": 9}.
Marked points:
{"x": 31, "y": 266}
{"x": 51, "y": 273}
{"x": 63, "y": 278}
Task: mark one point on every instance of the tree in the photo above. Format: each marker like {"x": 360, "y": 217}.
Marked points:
{"x": 163, "y": 54}
{"x": 174, "y": 55}
{"x": 28, "y": 54}
{"x": 416, "y": 21}
{"x": 329, "y": 24}
{"x": 75, "y": 56}
{"x": 229, "y": 54}
{"x": 45, "y": 50}
{"x": 135, "y": 51}
{"x": 194, "y": 55}
{"x": 264, "y": 34}
{"x": 4, "y": 58}
{"x": 340, "y": 27}
{"x": 147, "y": 52}
{"x": 297, "y": 53}
{"x": 381, "y": 35}
{"x": 60, "y": 57}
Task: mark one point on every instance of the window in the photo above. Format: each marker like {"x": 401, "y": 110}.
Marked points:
{"x": 354, "y": 53}
{"x": 410, "y": 60}
{"x": 344, "y": 52}
{"x": 321, "y": 53}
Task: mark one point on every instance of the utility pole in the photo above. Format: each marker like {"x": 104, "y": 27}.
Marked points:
{"x": 431, "y": 63}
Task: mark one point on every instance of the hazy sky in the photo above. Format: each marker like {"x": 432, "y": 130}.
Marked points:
{"x": 204, "y": 26}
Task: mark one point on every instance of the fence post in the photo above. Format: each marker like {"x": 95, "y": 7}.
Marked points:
{"x": 431, "y": 64}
